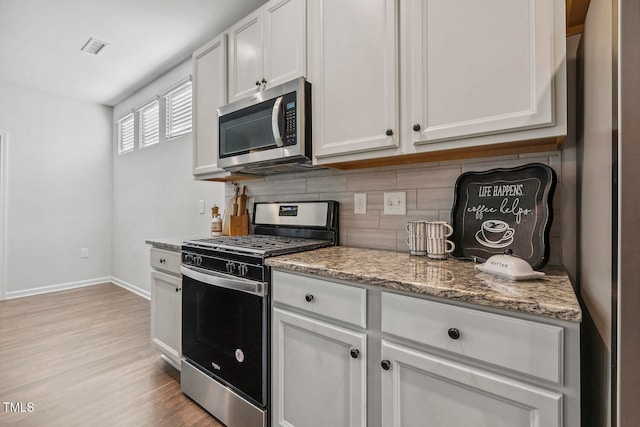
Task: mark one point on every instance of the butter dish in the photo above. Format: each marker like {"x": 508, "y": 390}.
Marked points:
{"x": 510, "y": 267}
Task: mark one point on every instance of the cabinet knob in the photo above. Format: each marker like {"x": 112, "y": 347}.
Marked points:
{"x": 386, "y": 365}
{"x": 308, "y": 297}
{"x": 454, "y": 333}
{"x": 355, "y": 353}
{"x": 264, "y": 82}
{"x": 416, "y": 127}
{"x": 389, "y": 132}
{"x": 162, "y": 260}
{"x": 257, "y": 83}
{"x": 178, "y": 289}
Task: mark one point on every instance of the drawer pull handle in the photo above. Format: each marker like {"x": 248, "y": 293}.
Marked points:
{"x": 355, "y": 353}
{"x": 386, "y": 365}
{"x": 454, "y": 333}
{"x": 162, "y": 260}
{"x": 308, "y": 297}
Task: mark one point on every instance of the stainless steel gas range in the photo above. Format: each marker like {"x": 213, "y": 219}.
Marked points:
{"x": 225, "y": 307}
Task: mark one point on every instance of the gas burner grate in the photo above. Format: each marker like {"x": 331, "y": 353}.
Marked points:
{"x": 264, "y": 245}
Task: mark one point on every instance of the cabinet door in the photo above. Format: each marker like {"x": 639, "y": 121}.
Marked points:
{"x": 316, "y": 379}
{"x": 209, "y": 93}
{"x": 353, "y": 69}
{"x": 245, "y": 56}
{"x": 166, "y": 314}
{"x": 420, "y": 389}
{"x": 284, "y": 41}
{"x": 478, "y": 68}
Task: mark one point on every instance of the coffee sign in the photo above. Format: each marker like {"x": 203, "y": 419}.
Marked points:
{"x": 504, "y": 209}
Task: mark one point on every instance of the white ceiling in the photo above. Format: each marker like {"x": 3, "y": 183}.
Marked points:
{"x": 40, "y": 42}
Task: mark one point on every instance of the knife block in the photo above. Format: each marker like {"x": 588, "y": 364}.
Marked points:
{"x": 239, "y": 225}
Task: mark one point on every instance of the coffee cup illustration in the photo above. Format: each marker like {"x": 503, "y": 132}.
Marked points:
{"x": 495, "y": 231}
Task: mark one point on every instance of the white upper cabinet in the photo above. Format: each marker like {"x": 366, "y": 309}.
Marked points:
{"x": 482, "y": 72}
{"x": 245, "y": 56}
{"x": 209, "y": 93}
{"x": 267, "y": 48}
{"x": 284, "y": 41}
{"x": 352, "y": 54}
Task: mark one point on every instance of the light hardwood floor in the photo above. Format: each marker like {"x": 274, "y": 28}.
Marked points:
{"x": 84, "y": 357}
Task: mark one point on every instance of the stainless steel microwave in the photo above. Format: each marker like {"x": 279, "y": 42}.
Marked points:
{"x": 268, "y": 132}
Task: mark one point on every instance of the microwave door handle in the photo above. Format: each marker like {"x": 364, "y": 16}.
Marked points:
{"x": 275, "y": 116}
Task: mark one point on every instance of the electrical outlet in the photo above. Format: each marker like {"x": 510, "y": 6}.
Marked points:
{"x": 360, "y": 203}
{"x": 201, "y": 206}
{"x": 84, "y": 253}
{"x": 395, "y": 203}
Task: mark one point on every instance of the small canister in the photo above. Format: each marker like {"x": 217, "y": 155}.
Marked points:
{"x": 216, "y": 222}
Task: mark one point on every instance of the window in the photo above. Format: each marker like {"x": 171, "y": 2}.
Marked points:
{"x": 178, "y": 104}
{"x": 164, "y": 117}
{"x": 149, "y": 116}
{"x": 126, "y": 134}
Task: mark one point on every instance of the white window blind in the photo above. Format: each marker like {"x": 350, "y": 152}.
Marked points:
{"x": 126, "y": 135}
{"x": 178, "y": 103}
{"x": 149, "y": 116}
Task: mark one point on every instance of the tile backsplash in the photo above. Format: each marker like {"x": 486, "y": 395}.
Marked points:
{"x": 429, "y": 189}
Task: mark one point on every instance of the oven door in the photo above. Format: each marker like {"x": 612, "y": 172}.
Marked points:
{"x": 224, "y": 330}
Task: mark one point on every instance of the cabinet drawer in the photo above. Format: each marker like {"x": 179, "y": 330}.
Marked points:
{"x": 528, "y": 347}
{"x": 168, "y": 261}
{"x": 335, "y": 300}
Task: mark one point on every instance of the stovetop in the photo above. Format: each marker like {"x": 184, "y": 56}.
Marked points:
{"x": 257, "y": 244}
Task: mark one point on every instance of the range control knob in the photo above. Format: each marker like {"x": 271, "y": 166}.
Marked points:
{"x": 197, "y": 260}
{"x": 243, "y": 269}
{"x": 230, "y": 266}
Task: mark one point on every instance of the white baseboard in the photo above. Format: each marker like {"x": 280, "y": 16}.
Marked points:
{"x": 128, "y": 286}
{"x": 72, "y": 285}
{"x": 56, "y": 288}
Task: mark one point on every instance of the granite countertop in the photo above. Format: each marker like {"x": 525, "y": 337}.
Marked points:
{"x": 551, "y": 296}
{"x": 167, "y": 243}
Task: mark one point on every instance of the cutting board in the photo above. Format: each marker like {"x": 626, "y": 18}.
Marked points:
{"x": 507, "y": 208}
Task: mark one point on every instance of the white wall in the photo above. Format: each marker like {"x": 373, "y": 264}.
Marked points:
{"x": 59, "y": 191}
{"x": 155, "y": 195}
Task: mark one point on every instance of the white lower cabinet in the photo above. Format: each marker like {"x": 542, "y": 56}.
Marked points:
{"x": 318, "y": 353}
{"x": 420, "y": 362}
{"x": 319, "y": 373}
{"x": 421, "y": 389}
{"x": 166, "y": 304}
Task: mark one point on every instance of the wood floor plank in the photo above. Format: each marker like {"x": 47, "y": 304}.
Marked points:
{"x": 84, "y": 357}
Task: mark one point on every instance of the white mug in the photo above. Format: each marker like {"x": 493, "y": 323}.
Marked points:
{"x": 439, "y": 247}
{"x": 417, "y": 237}
{"x": 438, "y": 229}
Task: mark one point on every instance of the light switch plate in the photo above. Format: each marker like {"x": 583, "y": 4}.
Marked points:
{"x": 395, "y": 203}
{"x": 360, "y": 203}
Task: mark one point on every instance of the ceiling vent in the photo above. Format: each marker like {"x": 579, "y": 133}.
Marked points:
{"x": 94, "y": 46}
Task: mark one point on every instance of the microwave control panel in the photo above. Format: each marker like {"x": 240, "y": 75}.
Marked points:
{"x": 290, "y": 119}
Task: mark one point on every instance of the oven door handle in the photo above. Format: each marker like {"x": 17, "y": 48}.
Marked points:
{"x": 216, "y": 279}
